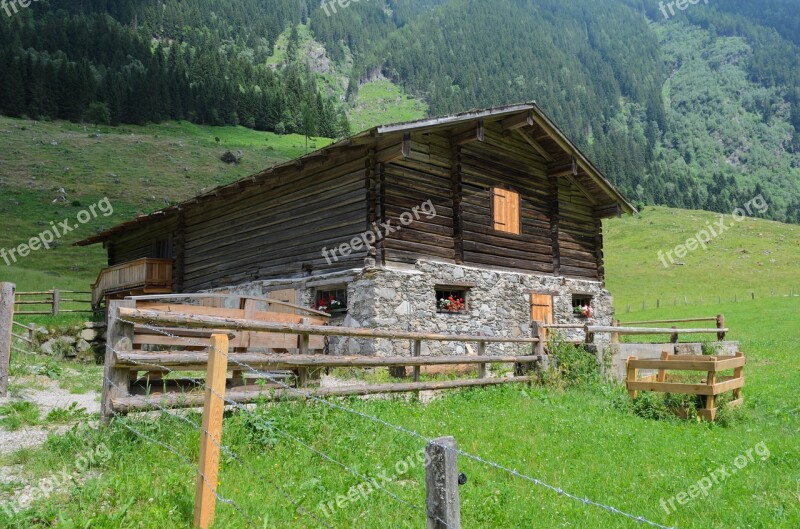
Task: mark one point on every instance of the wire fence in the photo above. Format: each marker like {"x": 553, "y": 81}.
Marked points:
{"x": 266, "y": 375}
{"x": 686, "y": 300}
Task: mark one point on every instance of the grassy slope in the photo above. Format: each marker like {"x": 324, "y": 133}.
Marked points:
{"x": 380, "y": 102}
{"x": 140, "y": 170}
{"x": 753, "y": 256}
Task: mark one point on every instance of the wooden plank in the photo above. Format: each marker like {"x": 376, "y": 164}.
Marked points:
{"x": 676, "y": 363}
{"x": 211, "y": 434}
{"x": 650, "y": 330}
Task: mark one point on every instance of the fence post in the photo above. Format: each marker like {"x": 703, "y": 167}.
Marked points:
{"x": 6, "y": 317}
{"x": 31, "y": 335}
{"x": 481, "y": 352}
{"x": 441, "y": 484}
{"x": 631, "y": 377}
{"x": 211, "y": 435}
{"x": 674, "y": 336}
{"x": 56, "y": 301}
{"x": 539, "y": 332}
{"x": 120, "y": 338}
{"x": 417, "y": 353}
{"x": 720, "y": 325}
{"x": 615, "y": 335}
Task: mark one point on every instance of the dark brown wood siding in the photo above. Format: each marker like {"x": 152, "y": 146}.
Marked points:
{"x": 139, "y": 242}
{"x": 277, "y": 230}
{"x": 408, "y": 183}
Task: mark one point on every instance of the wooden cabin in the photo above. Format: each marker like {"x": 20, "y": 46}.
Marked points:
{"x": 516, "y": 233}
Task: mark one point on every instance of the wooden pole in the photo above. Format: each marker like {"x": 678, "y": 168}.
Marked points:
{"x": 721, "y": 326}
{"x": 56, "y": 301}
{"x": 441, "y": 484}
{"x": 116, "y": 379}
{"x": 481, "y": 352}
{"x": 211, "y": 436}
{"x": 6, "y": 317}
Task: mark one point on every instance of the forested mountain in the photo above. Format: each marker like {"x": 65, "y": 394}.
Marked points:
{"x": 699, "y": 109}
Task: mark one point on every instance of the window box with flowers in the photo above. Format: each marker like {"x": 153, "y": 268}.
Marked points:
{"x": 450, "y": 301}
{"x": 582, "y": 307}
{"x": 331, "y": 301}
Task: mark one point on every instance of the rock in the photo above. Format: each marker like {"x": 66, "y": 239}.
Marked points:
{"x": 89, "y": 335}
{"x": 83, "y": 346}
{"x": 47, "y": 347}
{"x": 230, "y": 158}
{"x": 403, "y": 309}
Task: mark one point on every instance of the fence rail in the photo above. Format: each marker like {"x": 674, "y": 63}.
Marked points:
{"x": 54, "y": 301}
{"x": 625, "y": 328}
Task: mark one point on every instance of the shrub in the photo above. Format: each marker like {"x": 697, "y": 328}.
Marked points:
{"x": 571, "y": 366}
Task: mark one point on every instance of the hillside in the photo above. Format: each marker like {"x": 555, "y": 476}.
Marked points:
{"x": 704, "y": 114}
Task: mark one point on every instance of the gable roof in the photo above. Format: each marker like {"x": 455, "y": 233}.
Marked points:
{"x": 526, "y": 119}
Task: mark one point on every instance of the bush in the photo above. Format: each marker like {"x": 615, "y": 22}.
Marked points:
{"x": 571, "y": 366}
{"x": 98, "y": 113}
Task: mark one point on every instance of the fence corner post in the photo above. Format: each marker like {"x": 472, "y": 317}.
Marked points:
{"x": 441, "y": 484}
{"x": 119, "y": 338}
{"x": 7, "y": 292}
{"x": 539, "y": 332}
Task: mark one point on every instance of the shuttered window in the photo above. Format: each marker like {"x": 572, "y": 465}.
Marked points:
{"x": 506, "y": 210}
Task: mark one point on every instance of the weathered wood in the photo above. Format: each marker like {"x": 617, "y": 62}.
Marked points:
{"x": 690, "y": 363}
{"x": 721, "y": 327}
{"x": 198, "y": 321}
{"x": 653, "y": 322}
{"x": 211, "y": 433}
{"x": 120, "y": 340}
{"x": 650, "y": 330}
{"x": 441, "y": 484}
{"x": 6, "y": 322}
{"x": 191, "y": 400}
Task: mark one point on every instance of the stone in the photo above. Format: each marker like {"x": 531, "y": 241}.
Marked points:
{"x": 89, "y": 335}
{"x": 403, "y": 309}
{"x": 83, "y": 346}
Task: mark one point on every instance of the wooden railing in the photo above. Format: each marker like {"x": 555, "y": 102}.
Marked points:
{"x": 714, "y": 384}
{"x": 50, "y": 302}
{"x": 251, "y": 333}
{"x": 143, "y": 275}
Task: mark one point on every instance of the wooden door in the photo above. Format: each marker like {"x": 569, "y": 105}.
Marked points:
{"x": 287, "y": 296}
{"x": 542, "y": 309}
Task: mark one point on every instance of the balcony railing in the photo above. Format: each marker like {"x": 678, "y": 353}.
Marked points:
{"x": 143, "y": 276}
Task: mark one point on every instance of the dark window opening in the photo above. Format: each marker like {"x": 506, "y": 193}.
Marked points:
{"x": 451, "y": 301}
{"x": 582, "y": 306}
{"x": 331, "y": 300}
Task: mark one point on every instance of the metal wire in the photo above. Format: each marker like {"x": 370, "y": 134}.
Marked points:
{"x": 230, "y": 453}
{"x": 186, "y": 460}
{"x": 513, "y": 472}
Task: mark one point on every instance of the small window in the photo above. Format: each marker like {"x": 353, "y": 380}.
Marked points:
{"x": 331, "y": 300}
{"x": 505, "y": 210}
{"x": 451, "y": 301}
{"x": 582, "y": 306}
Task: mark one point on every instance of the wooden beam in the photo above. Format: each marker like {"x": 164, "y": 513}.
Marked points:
{"x": 567, "y": 169}
{"x": 555, "y": 227}
{"x": 120, "y": 340}
{"x": 536, "y": 145}
{"x": 518, "y": 121}
{"x": 441, "y": 484}
{"x": 476, "y": 133}
{"x": 6, "y": 321}
{"x": 210, "y": 322}
{"x": 188, "y": 400}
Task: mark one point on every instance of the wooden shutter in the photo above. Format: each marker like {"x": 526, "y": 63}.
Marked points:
{"x": 542, "y": 308}
{"x": 506, "y": 210}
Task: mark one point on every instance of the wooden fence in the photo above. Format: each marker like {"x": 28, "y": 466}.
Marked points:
{"x": 713, "y": 385}
{"x": 55, "y": 302}
{"x": 618, "y": 329}
{"x": 262, "y": 341}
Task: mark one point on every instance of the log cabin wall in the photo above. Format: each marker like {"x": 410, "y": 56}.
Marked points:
{"x": 278, "y": 229}
{"x": 137, "y": 242}
{"x": 409, "y": 182}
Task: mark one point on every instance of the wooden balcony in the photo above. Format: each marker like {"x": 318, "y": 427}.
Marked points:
{"x": 143, "y": 276}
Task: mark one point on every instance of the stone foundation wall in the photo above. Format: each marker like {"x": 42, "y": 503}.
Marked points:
{"x": 405, "y": 299}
